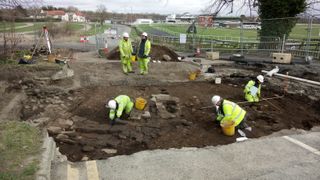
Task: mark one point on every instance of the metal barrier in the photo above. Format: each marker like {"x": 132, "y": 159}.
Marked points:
{"x": 303, "y": 40}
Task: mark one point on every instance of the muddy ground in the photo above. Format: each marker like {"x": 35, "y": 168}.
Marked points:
{"x": 89, "y": 133}
{"x": 73, "y": 109}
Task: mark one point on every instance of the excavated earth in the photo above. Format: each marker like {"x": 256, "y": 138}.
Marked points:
{"x": 156, "y": 53}
{"x": 78, "y": 120}
{"x": 81, "y": 127}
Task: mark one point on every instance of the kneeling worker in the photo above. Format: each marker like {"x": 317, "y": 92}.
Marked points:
{"x": 229, "y": 111}
{"x": 252, "y": 91}
{"x": 118, "y": 105}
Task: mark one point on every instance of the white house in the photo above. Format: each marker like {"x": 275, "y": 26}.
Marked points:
{"x": 57, "y": 14}
{"x": 74, "y": 17}
{"x": 143, "y": 21}
{"x": 65, "y": 17}
{"x": 186, "y": 17}
{"x": 171, "y": 18}
{"x": 78, "y": 17}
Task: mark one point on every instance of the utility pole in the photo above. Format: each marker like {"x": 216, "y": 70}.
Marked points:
{"x": 85, "y": 32}
{"x": 241, "y": 36}
{"x": 308, "y": 59}
{"x": 283, "y": 43}
{"x": 95, "y": 34}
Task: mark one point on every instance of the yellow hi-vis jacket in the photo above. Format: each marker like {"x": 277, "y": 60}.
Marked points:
{"x": 249, "y": 86}
{"x": 230, "y": 111}
{"x": 124, "y": 103}
{"x": 147, "y": 48}
{"x": 125, "y": 48}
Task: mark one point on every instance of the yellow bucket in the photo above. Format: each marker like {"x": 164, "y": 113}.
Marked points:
{"x": 133, "y": 58}
{"x": 228, "y": 128}
{"x": 192, "y": 76}
{"x": 51, "y": 58}
{"x": 140, "y": 103}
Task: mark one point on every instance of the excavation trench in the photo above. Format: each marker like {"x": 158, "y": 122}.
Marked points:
{"x": 172, "y": 119}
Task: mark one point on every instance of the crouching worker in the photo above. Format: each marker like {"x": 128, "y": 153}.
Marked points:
{"x": 252, "y": 91}
{"x": 117, "y": 106}
{"x": 229, "y": 111}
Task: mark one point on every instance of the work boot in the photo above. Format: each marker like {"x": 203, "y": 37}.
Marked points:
{"x": 242, "y": 125}
{"x": 125, "y": 73}
{"x": 131, "y": 71}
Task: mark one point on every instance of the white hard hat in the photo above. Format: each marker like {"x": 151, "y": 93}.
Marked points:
{"x": 144, "y": 34}
{"x": 126, "y": 35}
{"x": 112, "y": 104}
{"x": 260, "y": 78}
{"x": 215, "y": 99}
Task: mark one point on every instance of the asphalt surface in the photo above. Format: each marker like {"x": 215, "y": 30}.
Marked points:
{"x": 84, "y": 47}
{"x": 286, "y": 157}
{"x": 112, "y": 43}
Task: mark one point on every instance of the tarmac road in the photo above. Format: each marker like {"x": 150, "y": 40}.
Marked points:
{"x": 286, "y": 157}
{"x": 112, "y": 43}
{"x": 90, "y": 46}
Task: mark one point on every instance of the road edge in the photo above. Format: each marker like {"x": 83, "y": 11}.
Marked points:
{"x": 47, "y": 156}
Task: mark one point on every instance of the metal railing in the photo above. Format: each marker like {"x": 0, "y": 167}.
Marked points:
{"x": 303, "y": 40}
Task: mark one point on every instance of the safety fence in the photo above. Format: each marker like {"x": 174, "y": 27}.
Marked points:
{"x": 82, "y": 36}
{"x": 302, "y": 40}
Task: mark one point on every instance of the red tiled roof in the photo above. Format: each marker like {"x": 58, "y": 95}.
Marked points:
{"x": 54, "y": 13}
{"x": 79, "y": 14}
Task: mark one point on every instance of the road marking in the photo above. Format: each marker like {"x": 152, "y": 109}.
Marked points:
{"x": 73, "y": 173}
{"x": 301, "y": 144}
{"x": 92, "y": 170}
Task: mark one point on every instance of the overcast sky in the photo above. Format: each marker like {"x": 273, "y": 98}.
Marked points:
{"x": 138, "y": 6}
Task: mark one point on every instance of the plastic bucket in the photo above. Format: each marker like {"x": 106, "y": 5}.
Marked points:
{"x": 140, "y": 103}
{"x": 192, "y": 76}
{"x": 51, "y": 58}
{"x": 133, "y": 58}
{"x": 218, "y": 80}
{"x": 228, "y": 128}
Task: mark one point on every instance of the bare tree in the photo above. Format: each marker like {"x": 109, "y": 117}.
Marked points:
{"x": 216, "y": 6}
{"x": 278, "y": 17}
{"x": 72, "y": 9}
{"x": 102, "y": 13}
{"x": 16, "y": 3}
{"x": 9, "y": 10}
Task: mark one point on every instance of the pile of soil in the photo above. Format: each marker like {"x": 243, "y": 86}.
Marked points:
{"x": 89, "y": 134}
{"x": 156, "y": 53}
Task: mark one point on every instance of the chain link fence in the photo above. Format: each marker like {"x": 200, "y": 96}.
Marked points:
{"x": 244, "y": 37}
{"x": 18, "y": 34}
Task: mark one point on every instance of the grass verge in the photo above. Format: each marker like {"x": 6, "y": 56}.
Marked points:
{"x": 19, "y": 144}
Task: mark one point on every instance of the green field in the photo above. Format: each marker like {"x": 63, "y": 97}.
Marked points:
{"x": 301, "y": 31}
{"x": 7, "y": 25}
{"x": 38, "y": 26}
{"x": 298, "y": 32}
{"x": 73, "y": 26}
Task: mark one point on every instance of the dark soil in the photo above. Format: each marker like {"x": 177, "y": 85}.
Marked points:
{"x": 157, "y": 53}
{"x": 194, "y": 128}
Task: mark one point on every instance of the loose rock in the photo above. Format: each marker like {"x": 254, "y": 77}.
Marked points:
{"x": 62, "y": 136}
{"x": 87, "y": 148}
{"x": 65, "y": 123}
{"x": 146, "y": 115}
{"x": 85, "y": 158}
{"x": 54, "y": 130}
{"x": 109, "y": 151}
{"x": 166, "y": 57}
